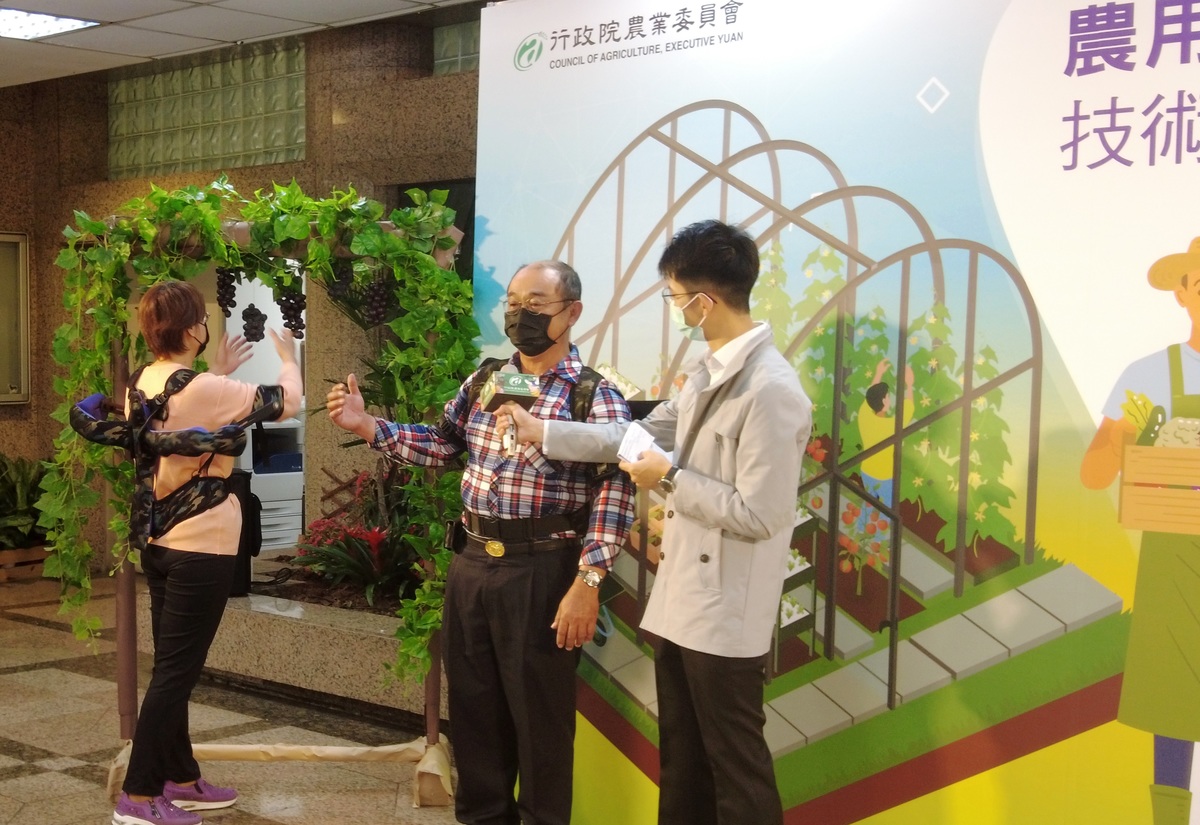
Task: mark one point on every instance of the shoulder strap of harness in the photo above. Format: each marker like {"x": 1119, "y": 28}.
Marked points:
{"x": 447, "y": 428}
{"x": 143, "y": 410}
{"x": 583, "y": 393}
{"x": 582, "y": 396}
{"x": 486, "y": 368}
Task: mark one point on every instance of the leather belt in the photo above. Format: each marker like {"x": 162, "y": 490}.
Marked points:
{"x": 524, "y": 529}
{"x": 481, "y": 547}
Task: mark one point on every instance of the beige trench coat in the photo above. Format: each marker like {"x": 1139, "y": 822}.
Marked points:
{"x": 729, "y": 523}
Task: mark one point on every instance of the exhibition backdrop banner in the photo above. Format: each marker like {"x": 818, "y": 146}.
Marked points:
{"x": 962, "y": 202}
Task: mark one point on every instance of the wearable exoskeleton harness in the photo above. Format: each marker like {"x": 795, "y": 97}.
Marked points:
{"x": 150, "y": 518}
{"x": 579, "y": 402}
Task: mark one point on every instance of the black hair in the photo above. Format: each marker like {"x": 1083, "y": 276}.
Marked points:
{"x": 714, "y": 258}
{"x": 875, "y": 395}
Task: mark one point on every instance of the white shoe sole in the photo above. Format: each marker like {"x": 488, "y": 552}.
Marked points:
{"x": 122, "y": 819}
{"x": 198, "y": 805}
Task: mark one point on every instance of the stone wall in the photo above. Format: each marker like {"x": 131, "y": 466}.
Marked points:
{"x": 320, "y": 649}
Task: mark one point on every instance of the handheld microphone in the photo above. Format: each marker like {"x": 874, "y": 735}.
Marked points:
{"x": 505, "y": 385}
{"x": 502, "y": 386}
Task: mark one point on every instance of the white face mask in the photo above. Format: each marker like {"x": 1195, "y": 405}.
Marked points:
{"x": 695, "y": 333}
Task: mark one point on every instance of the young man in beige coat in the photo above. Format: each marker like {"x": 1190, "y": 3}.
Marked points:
{"x": 737, "y": 431}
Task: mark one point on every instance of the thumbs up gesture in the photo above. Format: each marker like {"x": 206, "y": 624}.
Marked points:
{"x": 345, "y": 406}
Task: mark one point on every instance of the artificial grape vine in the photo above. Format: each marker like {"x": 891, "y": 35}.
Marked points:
{"x": 343, "y": 244}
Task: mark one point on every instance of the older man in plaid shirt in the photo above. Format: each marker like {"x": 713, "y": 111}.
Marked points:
{"x": 523, "y": 593}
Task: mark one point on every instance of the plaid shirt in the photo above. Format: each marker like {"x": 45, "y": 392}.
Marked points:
{"x": 529, "y": 484}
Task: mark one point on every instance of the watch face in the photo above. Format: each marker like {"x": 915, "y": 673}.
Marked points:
{"x": 590, "y": 577}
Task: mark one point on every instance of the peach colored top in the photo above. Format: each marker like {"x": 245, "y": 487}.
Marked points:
{"x": 209, "y": 401}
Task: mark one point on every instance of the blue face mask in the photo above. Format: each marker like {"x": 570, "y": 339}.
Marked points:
{"x": 695, "y": 333}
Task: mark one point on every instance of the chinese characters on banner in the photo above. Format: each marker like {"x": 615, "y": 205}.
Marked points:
{"x": 659, "y": 23}
{"x": 1100, "y": 40}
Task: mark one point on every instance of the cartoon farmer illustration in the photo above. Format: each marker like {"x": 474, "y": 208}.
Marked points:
{"x": 877, "y": 421}
{"x": 1161, "y": 689}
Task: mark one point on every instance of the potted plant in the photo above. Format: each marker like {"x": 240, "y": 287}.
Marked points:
{"x": 21, "y": 540}
{"x": 361, "y": 546}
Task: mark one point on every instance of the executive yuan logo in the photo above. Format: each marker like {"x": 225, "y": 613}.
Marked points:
{"x": 529, "y": 52}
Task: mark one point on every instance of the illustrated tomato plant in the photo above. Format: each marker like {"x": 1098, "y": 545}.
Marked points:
{"x": 813, "y": 358}
{"x": 931, "y": 475}
{"x": 860, "y": 541}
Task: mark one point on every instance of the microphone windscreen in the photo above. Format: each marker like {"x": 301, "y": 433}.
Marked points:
{"x": 506, "y": 384}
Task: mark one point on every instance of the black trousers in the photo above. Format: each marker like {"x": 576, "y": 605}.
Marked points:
{"x": 716, "y": 768}
{"x": 188, "y": 592}
{"x": 511, "y": 689}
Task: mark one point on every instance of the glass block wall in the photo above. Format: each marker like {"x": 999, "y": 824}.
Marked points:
{"x": 247, "y": 109}
{"x": 456, "y": 48}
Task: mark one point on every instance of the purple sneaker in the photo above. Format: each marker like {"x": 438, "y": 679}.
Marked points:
{"x": 157, "y": 811}
{"x": 201, "y": 796}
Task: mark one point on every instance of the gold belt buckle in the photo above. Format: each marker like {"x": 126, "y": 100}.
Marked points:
{"x": 495, "y": 549}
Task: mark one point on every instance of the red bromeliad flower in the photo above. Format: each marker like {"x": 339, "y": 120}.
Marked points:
{"x": 375, "y": 537}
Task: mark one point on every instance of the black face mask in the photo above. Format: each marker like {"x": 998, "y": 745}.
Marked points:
{"x": 528, "y": 331}
{"x": 203, "y": 343}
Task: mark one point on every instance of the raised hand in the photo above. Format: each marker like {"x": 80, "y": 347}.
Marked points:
{"x": 231, "y": 353}
{"x": 284, "y": 345}
{"x": 346, "y": 408}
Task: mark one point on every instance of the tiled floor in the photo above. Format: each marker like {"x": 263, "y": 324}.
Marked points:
{"x": 59, "y": 731}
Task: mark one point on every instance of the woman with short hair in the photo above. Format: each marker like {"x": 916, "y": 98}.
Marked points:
{"x": 189, "y": 568}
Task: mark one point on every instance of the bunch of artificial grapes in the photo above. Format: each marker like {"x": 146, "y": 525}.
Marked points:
{"x": 291, "y": 304}
{"x": 376, "y": 299}
{"x": 254, "y": 323}
{"x": 343, "y": 278}
{"x": 226, "y": 280}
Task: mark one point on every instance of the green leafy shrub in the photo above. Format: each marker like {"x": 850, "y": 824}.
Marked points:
{"x": 20, "y": 481}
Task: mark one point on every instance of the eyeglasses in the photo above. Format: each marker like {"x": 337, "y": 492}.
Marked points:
{"x": 537, "y": 306}
{"x": 668, "y": 295}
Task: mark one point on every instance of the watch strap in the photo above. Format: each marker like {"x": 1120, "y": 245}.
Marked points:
{"x": 667, "y": 482}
